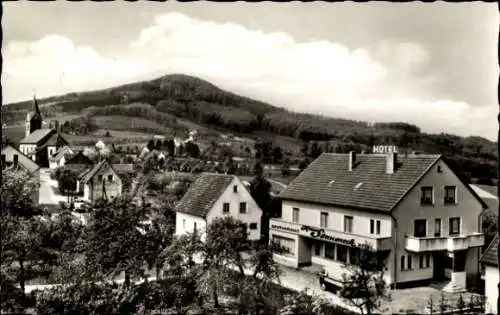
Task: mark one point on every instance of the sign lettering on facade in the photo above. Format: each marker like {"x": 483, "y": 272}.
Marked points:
{"x": 320, "y": 233}
{"x": 284, "y": 228}
{"x": 385, "y": 149}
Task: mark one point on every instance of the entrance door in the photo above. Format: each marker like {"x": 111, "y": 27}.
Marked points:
{"x": 439, "y": 260}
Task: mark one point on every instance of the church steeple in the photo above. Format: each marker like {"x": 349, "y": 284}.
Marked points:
{"x": 36, "y": 120}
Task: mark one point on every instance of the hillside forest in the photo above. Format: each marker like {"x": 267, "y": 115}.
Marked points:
{"x": 175, "y": 103}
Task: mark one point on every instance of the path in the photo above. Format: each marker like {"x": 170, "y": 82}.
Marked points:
{"x": 48, "y": 189}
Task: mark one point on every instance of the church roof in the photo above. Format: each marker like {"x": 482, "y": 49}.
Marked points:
{"x": 37, "y": 136}
{"x": 36, "y": 111}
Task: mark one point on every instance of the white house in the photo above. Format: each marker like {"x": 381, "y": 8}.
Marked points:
{"x": 213, "y": 196}
{"x": 413, "y": 210}
{"x": 491, "y": 276}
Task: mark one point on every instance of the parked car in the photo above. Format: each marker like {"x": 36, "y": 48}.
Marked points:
{"x": 328, "y": 283}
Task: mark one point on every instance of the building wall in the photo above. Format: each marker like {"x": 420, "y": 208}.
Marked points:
{"x": 309, "y": 214}
{"x": 184, "y": 223}
{"x": 113, "y": 187}
{"x": 491, "y": 288}
{"x": 27, "y": 148}
{"x": 467, "y": 207}
{"x": 252, "y": 215}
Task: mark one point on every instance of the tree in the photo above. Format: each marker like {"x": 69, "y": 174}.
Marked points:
{"x": 170, "y": 147}
{"x": 277, "y": 154}
{"x": 258, "y": 170}
{"x": 157, "y": 239}
{"x": 260, "y": 189}
{"x": 364, "y": 284}
{"x": 285, "y": 167}
{"x": 118, "y": 222}
{"x": 315, "y": 150}
{"x": 107, "y": 134}
{"x": 151, "y": 145}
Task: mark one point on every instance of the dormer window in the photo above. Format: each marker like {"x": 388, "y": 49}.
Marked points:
{"x": 358, "y": 186}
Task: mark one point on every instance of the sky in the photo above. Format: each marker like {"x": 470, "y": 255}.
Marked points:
{"x": 430, "y": 64}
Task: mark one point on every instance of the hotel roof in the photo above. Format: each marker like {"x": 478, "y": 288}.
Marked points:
{"x": 327, "y": 180}
{"x": 203, "y": 193}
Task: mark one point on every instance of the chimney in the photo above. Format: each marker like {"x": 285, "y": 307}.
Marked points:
{"x": 352, "y": 160}
{"x": 392, "y": 161}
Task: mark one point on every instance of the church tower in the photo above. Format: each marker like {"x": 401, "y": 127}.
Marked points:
{"x": 36, "y": 119}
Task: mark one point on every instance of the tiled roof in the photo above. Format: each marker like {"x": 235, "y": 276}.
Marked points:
{"x": 490, "y": 256}
{"x": 88, "y": 174}
{"x": 27, "y": 163}
{"x": 79, "y": 158}
{"x": 57, "y": 140}
{"x": 203, "y": 193}
{"x": 36, "y": 136}
{"x": 379, "y": 191}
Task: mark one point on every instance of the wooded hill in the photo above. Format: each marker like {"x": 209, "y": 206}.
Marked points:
{"x": 200, "y": 101}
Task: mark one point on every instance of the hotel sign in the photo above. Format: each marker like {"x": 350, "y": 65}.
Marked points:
{"x": 385, "y": 149}
{"x": 284, "y": 228}
{"x": 322, "y": 235}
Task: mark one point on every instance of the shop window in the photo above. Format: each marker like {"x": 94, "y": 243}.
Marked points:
{"x": 317, "y": 249}
{"x": 285, "y": 243}
{"x": 329, "y": 251}
{"x": 353, "y": 255}
{"x": 342, "y": 253}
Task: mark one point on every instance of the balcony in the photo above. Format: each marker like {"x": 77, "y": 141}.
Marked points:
{"x": 327, "y": 235}
{"x": 451, "y": 243}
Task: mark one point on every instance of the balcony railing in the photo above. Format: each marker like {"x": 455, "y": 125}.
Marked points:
{"x": 451, "y": 243}
{"x": 314, "y": 232}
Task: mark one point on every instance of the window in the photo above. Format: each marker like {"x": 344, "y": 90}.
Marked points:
{"x": 409, "y": 262}
{"x": 330, "y": 251}
{"x": 253, "y": 226}
{"x": 342, "y": 253}
{"x": 348, "y": 224}
{"x": 424, "y": 261}
{"x": 449, "y": 195}
{"x": 183, "y": 223}
{"x": 323, "y": 220}
{"x": 426, "y": 196}
{"x": 225, "y": 207}
{"x": 194, "y": 228}
{"x": 317, "y": 249}
{"x": 287, "y": 244}
{"x": 353, "y": 255}
{"x": 243, "y": 207}
{"x": 437, "y": 227}
{"x": 99, "y": 177}
{"x": 235, "y": 188}
{"x": 295, "y": 215}
{"x": 403, "y": 262}
{"x": 420, "y": 228}
{"x": 373, "y": 224}
{"x": 110, "y": 178}
{"x": 454, "y": 226}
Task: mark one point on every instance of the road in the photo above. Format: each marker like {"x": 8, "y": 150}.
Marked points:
{"x": 48, "y": 189}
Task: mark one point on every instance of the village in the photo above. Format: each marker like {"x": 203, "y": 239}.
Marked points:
{"x": 419, "y": 218}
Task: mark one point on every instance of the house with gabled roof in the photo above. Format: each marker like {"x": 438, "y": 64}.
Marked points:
{"x": 100, "y": 181}
{"x": 489, "y": 259}
{"x": 59, "y": 158}
{"x": 420, "y": 217}
{"x": 14, "y": 159}
{"x": 212, "y": 196}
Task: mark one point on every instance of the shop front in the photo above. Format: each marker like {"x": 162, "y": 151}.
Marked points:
{"x": 331, "y": 249}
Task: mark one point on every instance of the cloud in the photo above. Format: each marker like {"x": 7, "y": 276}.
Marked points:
{"x": 391, "y": 81}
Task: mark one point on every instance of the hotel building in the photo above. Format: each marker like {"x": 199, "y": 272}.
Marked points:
{"x": 413, "y": 210}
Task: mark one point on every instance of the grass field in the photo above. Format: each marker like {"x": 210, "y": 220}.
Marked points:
{"x": 131, "y": 123}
